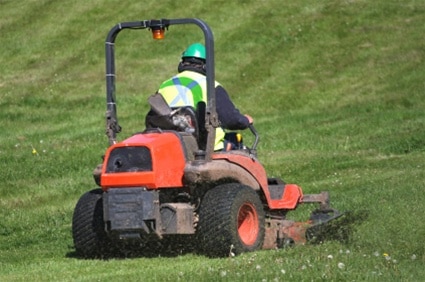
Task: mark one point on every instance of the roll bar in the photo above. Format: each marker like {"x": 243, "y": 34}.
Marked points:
{"x": 211, "y": 118}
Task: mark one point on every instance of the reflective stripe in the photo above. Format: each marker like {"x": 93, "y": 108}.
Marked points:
{"x": 188, "y": 89}
{"x": 182, "y": 92}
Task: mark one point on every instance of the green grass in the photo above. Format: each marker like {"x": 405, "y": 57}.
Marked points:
{"x": 336, "y": 89}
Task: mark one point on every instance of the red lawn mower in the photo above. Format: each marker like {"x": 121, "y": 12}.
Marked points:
{"x": 167, "y": 185}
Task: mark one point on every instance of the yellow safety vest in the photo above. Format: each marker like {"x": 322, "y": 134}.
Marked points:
{"x": 187, "y": 89}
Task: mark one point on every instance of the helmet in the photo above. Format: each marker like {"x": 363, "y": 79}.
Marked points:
{"x": 196, "y": 50}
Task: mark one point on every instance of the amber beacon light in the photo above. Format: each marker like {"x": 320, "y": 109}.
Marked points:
{"x": 158, "y": 33}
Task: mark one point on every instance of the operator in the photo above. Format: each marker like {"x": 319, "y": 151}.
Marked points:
{"x": 189, "y": 87}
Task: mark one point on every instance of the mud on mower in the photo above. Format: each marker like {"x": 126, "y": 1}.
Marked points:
{"x": 167, "y": 184}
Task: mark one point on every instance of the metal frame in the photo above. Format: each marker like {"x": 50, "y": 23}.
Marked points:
{"x": 211, "y": 119}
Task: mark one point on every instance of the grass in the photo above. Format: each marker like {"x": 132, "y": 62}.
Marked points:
{"x": 335, "y": 88}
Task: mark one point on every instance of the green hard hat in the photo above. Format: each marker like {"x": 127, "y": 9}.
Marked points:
{"x": 196, "y": 50}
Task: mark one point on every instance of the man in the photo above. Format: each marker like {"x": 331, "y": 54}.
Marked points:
{"x": 188, "y": 87}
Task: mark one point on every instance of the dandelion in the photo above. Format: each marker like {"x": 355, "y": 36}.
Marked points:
{"x": 34, "y": 151}
{"x": 330, "y": 257}
{"x": 387, "y": 256}
{"x": 283, "y": 271}
{"x": 376, "y": 254}
{"x": 341, "y": 265}
{"x": 258, "y": 267}
{"x": 413, "y": 257}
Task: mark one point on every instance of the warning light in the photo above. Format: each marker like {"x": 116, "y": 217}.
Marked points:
{"x": 158, "y": 33}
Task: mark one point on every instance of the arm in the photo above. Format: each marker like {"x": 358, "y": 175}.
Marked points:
{"x": 228, "y": 114}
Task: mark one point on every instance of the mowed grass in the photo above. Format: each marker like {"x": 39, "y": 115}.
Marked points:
{"x": 336, "y": 89}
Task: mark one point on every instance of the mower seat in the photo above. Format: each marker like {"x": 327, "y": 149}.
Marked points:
{"x": 182, "y": 119}
{"x": 185, "y": 119}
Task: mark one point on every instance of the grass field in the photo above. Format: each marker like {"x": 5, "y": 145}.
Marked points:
{"x": 336, "y": 89}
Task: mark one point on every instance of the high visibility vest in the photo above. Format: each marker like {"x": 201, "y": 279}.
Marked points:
{"x": 188, "y": 88}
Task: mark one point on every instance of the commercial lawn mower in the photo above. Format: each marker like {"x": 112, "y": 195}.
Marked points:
{"x": 166, "y": 186}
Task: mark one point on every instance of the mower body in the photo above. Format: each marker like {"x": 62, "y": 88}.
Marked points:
{"x": 163, "y": 165}
{"x": 169, "y": 185}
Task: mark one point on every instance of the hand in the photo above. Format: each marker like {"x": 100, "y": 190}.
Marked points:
{"x": 250, "y": 119}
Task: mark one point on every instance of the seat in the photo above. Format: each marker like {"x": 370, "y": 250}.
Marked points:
{"x": 182, "y": 119}
{"x": 185, "y": 119}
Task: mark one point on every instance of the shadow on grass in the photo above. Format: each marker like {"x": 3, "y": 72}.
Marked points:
{"x": 169, "y": 247}
{"x": 340, "y": 229}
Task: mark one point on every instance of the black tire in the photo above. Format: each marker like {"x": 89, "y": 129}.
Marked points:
{"x": 90, "y": 239}
{"x": 231, "y": 221}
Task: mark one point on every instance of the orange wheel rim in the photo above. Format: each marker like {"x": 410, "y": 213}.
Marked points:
{"x": 248, "y": 224}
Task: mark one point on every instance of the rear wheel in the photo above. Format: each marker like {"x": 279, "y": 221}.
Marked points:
{"x": 231, "y": 221}
{"x": 90, "y": 239}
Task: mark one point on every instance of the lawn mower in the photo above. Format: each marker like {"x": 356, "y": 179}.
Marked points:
{"x": 167, "y": 184}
